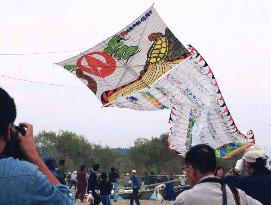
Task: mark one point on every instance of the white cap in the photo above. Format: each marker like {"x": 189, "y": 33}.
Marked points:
{"x": 127, "y": 174}
{"x": 134, "y": 171}
{"x": 254, "y": 152}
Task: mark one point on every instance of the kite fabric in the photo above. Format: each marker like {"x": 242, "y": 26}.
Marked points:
{"x": 145, "y": 67}
{"x": 201, "y": 114}
{"x": 129, "y": 61}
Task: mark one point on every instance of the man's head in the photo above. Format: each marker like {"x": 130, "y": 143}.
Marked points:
{"x": 200, "y": 161}
{"x": 103, "y": 176}
{"x": 7, "y": 117}
{"x": 255, "y": 159}
{"x": 7, "y": 112}
{"x": 96, "y": 167}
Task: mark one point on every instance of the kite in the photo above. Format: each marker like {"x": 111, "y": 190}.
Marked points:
{"x": 145, "y": 67}
{"x": 129, "y": 61}
{"x": 201, "y": 115}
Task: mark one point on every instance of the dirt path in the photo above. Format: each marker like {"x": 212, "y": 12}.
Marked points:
{"x": 126, "y": 202}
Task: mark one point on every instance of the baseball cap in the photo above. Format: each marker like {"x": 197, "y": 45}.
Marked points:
{"x": 134, "y": 171}
{"x": 253, "y": 153}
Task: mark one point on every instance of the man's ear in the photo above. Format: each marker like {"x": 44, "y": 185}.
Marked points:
{"x": 7, "y": 133}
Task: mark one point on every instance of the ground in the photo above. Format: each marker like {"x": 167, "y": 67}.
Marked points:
{"x": 126, "y": 202}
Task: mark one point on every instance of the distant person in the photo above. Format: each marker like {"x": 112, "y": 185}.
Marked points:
{"x": 61, "y": 171}
{"x": 258, "y": 182}
{"x": 126, "y": 180}
{"x": 81, "y": 183}
{"x": 136, "y": 184}
{"x": 51, "y": 164}
{"x": 27, "y": 181}
{"x": 93, "y": 183}
{"x": 200, "y": 164}
{"x": 219, "y": 172}
{"x": 105, "y": 187}
{"x": 113, "y": 177}
{"x": 73, "y": 180}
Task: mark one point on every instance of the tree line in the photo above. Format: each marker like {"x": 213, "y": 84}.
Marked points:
{"x": 146, "y": 155}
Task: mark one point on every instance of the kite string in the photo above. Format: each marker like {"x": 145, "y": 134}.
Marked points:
{"x": 41, "y": 53}
{"x": 36, "y": 82}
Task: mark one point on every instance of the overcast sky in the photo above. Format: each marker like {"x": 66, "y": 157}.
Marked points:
{"x": 233, "y": 36}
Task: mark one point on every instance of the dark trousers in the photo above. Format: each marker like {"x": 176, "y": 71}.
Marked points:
{"x": 97, "y": 198}
{"x": 134, "y": 197}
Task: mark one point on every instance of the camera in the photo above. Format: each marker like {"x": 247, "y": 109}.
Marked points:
{"x": 12, "y": 148}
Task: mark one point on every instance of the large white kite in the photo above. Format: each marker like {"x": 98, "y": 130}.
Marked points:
{"x": 145, "y": 67}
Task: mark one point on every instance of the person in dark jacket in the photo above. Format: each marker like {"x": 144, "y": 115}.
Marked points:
{"x": 113, "y": 177}
{"x": 93, "y": 183}
{"x": 105, "y": 188}
{"x": 136, "y": 184}
{"x": 258, "y": 182}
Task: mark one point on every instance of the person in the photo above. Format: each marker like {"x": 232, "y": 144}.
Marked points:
{"x": 25, "y": 181}
{"x": 105, "y": 188}
{"x": 73, "y": 179}
{"x": 126, "y": 180}
{"x": 51, "y": 164}
{"x": 200, "y": 164}
{"x": 93, "y": 183}
{"x": 113, "y": 177}
{"x": 219, "y": 172}
{"x": 81, "y": 184}
{"x": 258, "y": 182}
{"x": 61, "y": 171}
{"x": 136, "y": 184}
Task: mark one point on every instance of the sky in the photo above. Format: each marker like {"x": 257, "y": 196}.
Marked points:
{"x": 232, "y": 36}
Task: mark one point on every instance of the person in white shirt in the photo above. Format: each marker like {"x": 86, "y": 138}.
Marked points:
{"x": 200, "y": 164}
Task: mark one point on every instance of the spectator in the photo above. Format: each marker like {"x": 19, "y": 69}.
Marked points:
{"x": 61, "y": 171}
{"x": 126, "y": 180}
{"x": 105, "y": 188}
{"x": 25, "y": 182}
{"x": 257, "y": 183}
{"x": 73, "y": 180}
{"x": 51, "y": 164}
{"x": 93, "y": 183}
{"x": 136, "y": 184}
{"x": 81, "y": 184}
{"x": 113, "y": 177}
{"x": 200, "y": 164}
{"x": 219, "y": 172}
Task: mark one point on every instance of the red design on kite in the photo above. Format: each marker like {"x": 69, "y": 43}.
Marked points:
{"x": 96, "y": 66}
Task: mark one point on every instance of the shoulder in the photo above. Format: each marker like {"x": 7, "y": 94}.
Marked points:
{"x": 246, "y": 199}
{"x": 184, "y": 197}
{"x": 14, "y": 167}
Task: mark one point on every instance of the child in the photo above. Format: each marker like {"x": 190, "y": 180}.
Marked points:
{"x": 105, "y": 188}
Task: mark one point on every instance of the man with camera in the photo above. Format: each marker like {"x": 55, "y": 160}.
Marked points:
{"x": 25, "y": 180}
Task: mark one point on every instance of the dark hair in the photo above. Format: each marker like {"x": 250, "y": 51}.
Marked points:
{"x": 50, "y": 163}
{"x": 218, "y": 168}
{"x": 7, "y": 111}
{"x": 201, "y": 157}
{"x": 82, "y": 167}
{"x": 96, "y": 167}
{"x": 259, "y": 165}
{"x": 61, "y": 162}
{"x": 113, "y": 169}
{"x": 103, "y": 176}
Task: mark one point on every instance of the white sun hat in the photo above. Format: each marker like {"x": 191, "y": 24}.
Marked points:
{"x": 253, "y": 153}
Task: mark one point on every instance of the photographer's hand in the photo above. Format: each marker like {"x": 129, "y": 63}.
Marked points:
{"x": 28, "y": 147}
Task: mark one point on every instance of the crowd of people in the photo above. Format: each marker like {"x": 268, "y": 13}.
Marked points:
{"x": 26, "y": 178}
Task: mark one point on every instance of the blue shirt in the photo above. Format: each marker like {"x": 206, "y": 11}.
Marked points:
{"x": 136, "y": 181}
{"x": 258, "y": 185}
{"x": 22, "y": 183}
